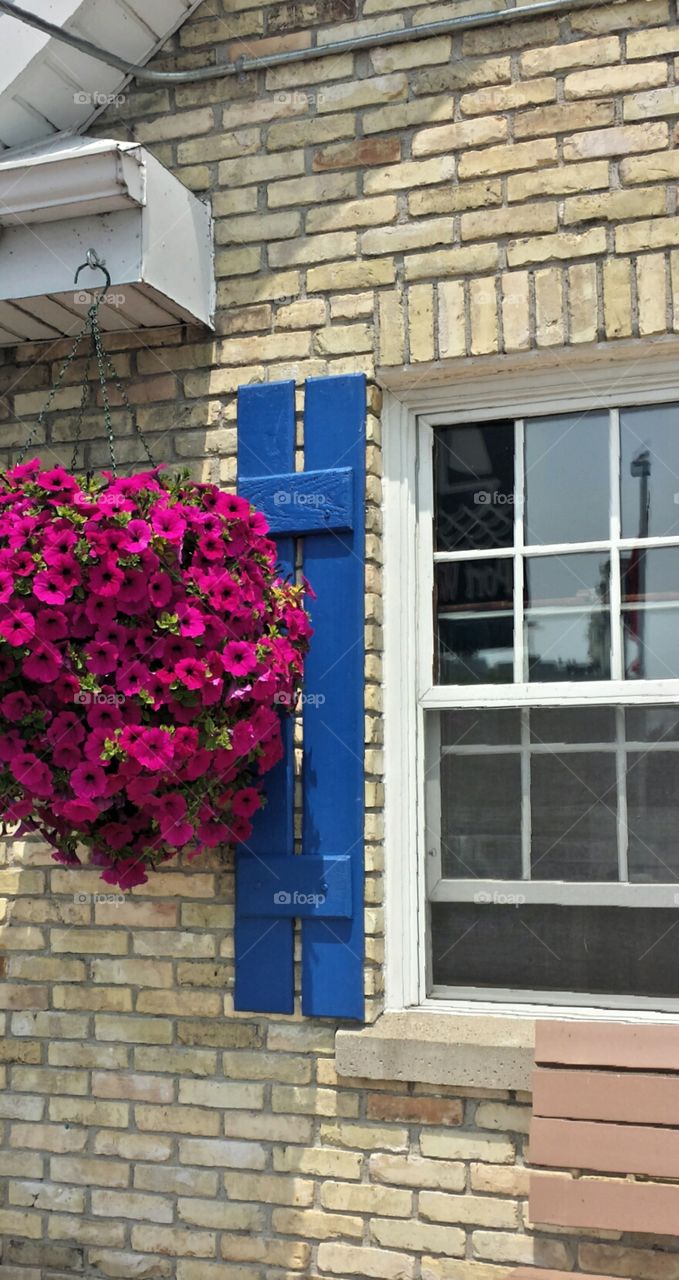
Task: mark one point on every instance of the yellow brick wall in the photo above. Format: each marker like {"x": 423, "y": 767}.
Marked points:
{"x": 508, "y": 189}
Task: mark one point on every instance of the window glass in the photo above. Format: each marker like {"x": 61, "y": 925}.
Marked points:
{"x": 649, "y": 471}
{"x": 567, "y": 617}
{"x": 475, "y": 621}
{"x": 567, "y": 478}
{"x": 650, "y": 613}
{"x": 474, "y": 487}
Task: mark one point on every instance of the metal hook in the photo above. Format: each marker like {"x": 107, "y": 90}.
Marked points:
{"x": 95, "y": 263}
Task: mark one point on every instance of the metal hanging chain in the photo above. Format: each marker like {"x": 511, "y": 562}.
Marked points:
{"x": 105, "y": 369}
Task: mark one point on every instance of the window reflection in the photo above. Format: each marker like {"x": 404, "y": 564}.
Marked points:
{"x": 474, "y": 487}
{"x": 650, "y": 613}
{"x": 567, "y": 618}
{"x": 475, "y": 621}
{"x": 567, "y": 484}
{"x": 649, "y": 472}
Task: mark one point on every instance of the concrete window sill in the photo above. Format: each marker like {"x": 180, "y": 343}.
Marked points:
{"x": 471, "y": 1051}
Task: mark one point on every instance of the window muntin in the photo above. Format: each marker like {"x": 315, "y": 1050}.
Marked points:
{"x": 556, "y": 581}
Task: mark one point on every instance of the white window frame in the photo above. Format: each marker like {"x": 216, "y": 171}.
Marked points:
{"x": 607, "y": 377}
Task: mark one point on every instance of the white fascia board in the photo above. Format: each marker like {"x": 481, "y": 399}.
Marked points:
{"x": 51, "y": 187}
{"x": 155, "y": 237}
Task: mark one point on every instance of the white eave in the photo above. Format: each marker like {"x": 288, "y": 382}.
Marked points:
{"x": 47, "y": 87}
{"x": 69, "y": 195}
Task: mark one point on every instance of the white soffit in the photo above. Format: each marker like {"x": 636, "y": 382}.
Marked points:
{"x": 47, "y": 87}
{"x": 67, "y": 196}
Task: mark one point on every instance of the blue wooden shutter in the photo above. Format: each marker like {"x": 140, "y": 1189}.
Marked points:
{"x": 323, "y": 886}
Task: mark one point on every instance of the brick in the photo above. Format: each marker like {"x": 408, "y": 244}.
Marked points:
{"x": 659, "y": 102}
{"x": 320, "y": 1161}
{"x": 651, "y": 293}
{"x": 451, "y": 319}
{"x": 421, "y": 322}
{"x": 182, "y": 124}
{"x": 508, "y": 97}
{"x": 44, "y": 1195}
{"x": 363, "y": 93}
{"x": 278, "y": 1253}
{"x": 196, "y": 1062}
{"x": 174, "y": 1242}
{"x": 96, "y": 941}
{"x": 49, "y": 1080}
{"x": 314, "y": 1224}
{"x": 248, "y": 169}
{"x": 220, "y": 146}
{"x": 483, "y": 1211}
{"x": 357, "y": 154}
{"x": 165, "y": 942}
{"x": 549, "y": 330}
{"x": 135, "y": 1030}
{"x": 16, "y": 937}
{"x": 129, "y": 1204}
{"x": 20, "y": 1164}
{"x": 98, "y": 1000}
{"x": 619, "y": 141}
{"x": 655, "y": 168}
{"x": 418, "y": 1235}
{"x": 87, "y": 1172}
{"x": 311, "y": 190}
{"x": 650, "y": 234}
{"x": 483, "y": 315}
{"x": 352, "y": 213}
{"x": 384, "y": 1201}
{"x": 450, "y": 262}
{"x": 610, "y": 81}
{"x": 457, "y": 1146}
{"x": 89, "y": 1111}
{"x": 413, "y": 173}
{"x": 48, "y": 1137}
{"x": 623, "y": 16}
{"x": 515, "y": 305}
{"x": 413, "y": 1110}
{"x": 561, "y": 181}
{"x": 178, "y": 1119}
{"x": 122, "y": 1265}
{"x": 215, "y": 1093}
{"x": 522, "y": 155}
{"x": 312, "y": 249}
{"x": 15, "y": 995}
{"x": 501, "y": 1246}
{"x": 403, "y": 57}
{"x": 87, "y": 1055}
{"x": 111, "y": 1084}
{"x": 401, "y": 238}
{"x": 413, "y": 1171}
{"x": 454, "y": 137}
{"x": 563, "y": 117}
{"x": 368, "y": 1263}
{"x": 180, "y": 1003}
{"x": 16, "y": 1222}
{"x": 21, "y": 1106}
{"x": 300, "y": 133}
{"x": 615, "y": 206}
{"x": 220, "y": 1154}
{"x": 470, "y": 195}
{"x": 15, "y": 881}
{"x": 576, "y": 53}
{"x": 344, "y": 339}
{"x": 56, "y": 1026}
{"x": 563, "y": 246}
{"x": 499, "y": 1180}
{"x": 405, "y": 115}
{"x": 648, "y": 44}
{"x": 259, "y": 226}
{"x": 225, "y": 1035}
{"x": 350, "y": 275}
{"x": 583, "y": 302}
{"x": 132, "y": 1146}
{"x": 228, "y": 1217}
{"x": 269, "y": 1189}
{"x": 492, "y": 223}
{"x": 175, "y": 1180}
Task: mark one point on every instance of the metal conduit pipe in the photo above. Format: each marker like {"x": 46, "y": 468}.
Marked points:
{"x": 447, "y": 26}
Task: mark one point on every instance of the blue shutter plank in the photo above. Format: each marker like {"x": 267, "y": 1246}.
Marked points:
{"x": 265, "y": 946}
{"x": 297, "y": 888}
{"x": 304, "y": 501}
{"x": 333, "y": 768}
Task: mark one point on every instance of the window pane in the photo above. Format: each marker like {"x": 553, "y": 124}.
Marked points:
{"x": 490, "y": 728}
{"x": 573, "y": 816}
{"x": 572, "y": 724}
{"x": 650, "y": 613}
{"x": 567, "y": 619}
{"x": 567, "y": 485}
{"x": 653, "y": 816}
{"x": 474, "y": 487}
{"x": 481, "y": 816}
{"x": 596, "y": 950}
{"x": 475, "y": 621}
{"x": 652, "y": 724}
{"x": 649, "y": 471}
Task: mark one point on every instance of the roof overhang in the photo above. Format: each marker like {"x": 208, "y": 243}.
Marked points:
{"x": 62, "y": 198}
{"x": 47, "y": 86}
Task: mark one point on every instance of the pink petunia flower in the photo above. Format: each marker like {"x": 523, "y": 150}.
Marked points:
{"x": 239, "y": 658}
{"x": 18, "y": 627}
{"x": 168, "y": 523}
{"x": 88, "y": 781}
{"x": 42, "y": 665}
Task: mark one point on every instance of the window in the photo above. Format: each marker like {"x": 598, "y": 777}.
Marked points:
{"x": 548, "y": 703}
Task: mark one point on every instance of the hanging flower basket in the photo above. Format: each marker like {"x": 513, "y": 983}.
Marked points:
{"x": 147, "y": 647}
